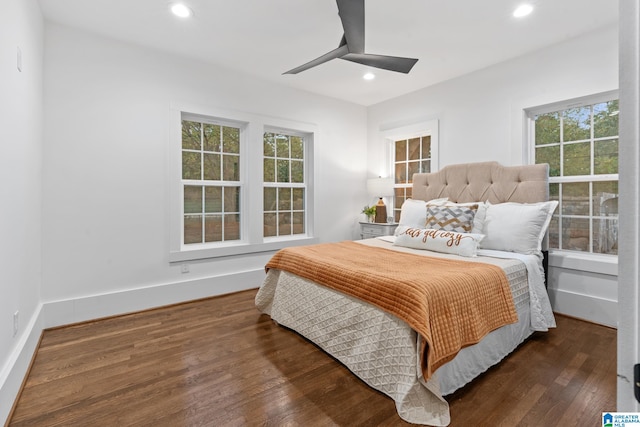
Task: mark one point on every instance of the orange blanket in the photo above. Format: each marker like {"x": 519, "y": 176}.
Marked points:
{"x": 451, "y": 304}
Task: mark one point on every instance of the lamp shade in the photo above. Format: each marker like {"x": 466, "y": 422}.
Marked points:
{"x": 380, "y": 187}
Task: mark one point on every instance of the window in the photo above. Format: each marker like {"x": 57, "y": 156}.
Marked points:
{"x": 284, "y": 184}
{"x": 211, "y": 182}
{"x": 579, "y": 141}
{"x": 238, "y": 183}
{"x": 412, "y": 155}
{"x": 412, "y": 149}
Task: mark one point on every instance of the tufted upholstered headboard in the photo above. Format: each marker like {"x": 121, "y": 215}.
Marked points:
{"x": 485, "y": 181}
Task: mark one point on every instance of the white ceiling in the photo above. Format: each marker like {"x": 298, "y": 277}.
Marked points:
{"x": 264, "y": 38}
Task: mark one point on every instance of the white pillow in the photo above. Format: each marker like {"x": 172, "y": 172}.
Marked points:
{"x": 517, "y": 227}
{"x": 414, "y": 212}
{"x": 478, "y": 219}
{"x": 450, "y": 242}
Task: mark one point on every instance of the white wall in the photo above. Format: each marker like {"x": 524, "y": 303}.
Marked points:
{"x": 21, "y": 120}
{"x": 480, "y": 118}
{"x": 106, "y": 236}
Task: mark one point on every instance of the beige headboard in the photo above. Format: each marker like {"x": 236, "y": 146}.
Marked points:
{"x": 485, "y": 181}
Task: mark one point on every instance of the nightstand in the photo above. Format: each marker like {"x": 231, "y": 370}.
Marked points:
{"x": 375, "y": 229}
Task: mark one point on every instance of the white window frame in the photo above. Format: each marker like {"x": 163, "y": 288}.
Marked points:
{"x": 218, "y": 183}
{"x": 308, "y": 142}
{"x": 252, "y": 128}
{"x": 415, "y": 130}
{"x": 575, "y": 260}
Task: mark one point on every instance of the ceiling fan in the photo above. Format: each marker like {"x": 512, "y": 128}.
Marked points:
{"x": 351, "y": 46}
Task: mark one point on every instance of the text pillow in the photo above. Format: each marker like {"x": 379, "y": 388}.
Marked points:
{"x": 451, "y": 217}
{"x": 517, "y": 227}
{"x": 450, "y": 242}
{"x": 413, "y": 212}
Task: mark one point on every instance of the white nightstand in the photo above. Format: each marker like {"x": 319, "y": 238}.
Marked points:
{"x": 375, "y": 229}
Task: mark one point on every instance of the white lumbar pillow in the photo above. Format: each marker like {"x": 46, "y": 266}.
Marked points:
{"x": 450, "y": 242}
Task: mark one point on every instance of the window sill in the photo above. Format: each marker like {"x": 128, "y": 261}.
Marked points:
{"x": 238, "y": 249}
{"x": 592, "y": 263}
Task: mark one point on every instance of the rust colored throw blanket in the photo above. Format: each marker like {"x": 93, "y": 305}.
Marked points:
{"x": 450, "y": 303}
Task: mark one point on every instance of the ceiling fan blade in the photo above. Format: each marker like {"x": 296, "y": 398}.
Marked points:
{"x": 391, "y": 63}
{"x": 335, "y": 53}
{"x": 352, "y": 15}
{"x": 352, "y": 44}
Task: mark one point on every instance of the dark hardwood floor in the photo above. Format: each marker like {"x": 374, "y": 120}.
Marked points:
{"x": 219, "y": 362}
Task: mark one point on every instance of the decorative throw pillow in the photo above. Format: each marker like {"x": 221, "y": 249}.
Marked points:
{"x": 478, "y": 218}
{"x": 413, "y": 212}
{"x": 517, "y": 227}
{"x": 450, "y": 242}
{"x": 451, "y": 217}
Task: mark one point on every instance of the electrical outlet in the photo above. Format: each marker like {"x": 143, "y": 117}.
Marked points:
{"x": 184, "y": 268}
{"x": 16, "y": 318}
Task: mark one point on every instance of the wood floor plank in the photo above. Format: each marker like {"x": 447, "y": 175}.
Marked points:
{"x": 221, "y": 362}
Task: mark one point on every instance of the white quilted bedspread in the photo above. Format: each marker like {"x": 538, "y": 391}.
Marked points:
{"x": 381, "y": 349}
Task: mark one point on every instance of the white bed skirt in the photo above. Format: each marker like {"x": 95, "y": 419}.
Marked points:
{"x": 381, "y": 349}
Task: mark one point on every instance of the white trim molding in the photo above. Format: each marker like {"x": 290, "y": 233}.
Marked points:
{"x": 584, "y": 286}
{"x": 17, "y": 366}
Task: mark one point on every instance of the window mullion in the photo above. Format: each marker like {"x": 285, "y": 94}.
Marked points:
{"x": 277, "y": 208}
{"x": 222, "y": 215}
{"x": 220, "y": 155}
{"x": 203, "y": 220}
{"x": 592, "y": 143}
{"x": 202, "y": 216}
{"x": 560, "y": 217}
{"x": 590, "y": 217}
{"x": 201, "y": 151}
{"x": 561, "y": 144}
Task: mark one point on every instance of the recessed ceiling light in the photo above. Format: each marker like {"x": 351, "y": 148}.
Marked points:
{"x": 181, "y": 10}
{"x": 523, "y": 10}
{"x": 369, "y": 76}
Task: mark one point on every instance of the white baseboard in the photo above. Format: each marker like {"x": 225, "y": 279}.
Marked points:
{"x": 58, "y": 313}
{"x": 16, "y": 367}
{"x": 586, "y": 307}
{"x": 75, "y": 310}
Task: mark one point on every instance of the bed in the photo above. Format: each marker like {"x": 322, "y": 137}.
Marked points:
{"x": 381, "y": 339}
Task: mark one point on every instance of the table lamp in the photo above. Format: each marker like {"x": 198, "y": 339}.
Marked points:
{"x": 380, "y": 187}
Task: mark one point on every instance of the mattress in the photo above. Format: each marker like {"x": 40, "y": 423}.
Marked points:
{"x": 381, "y": 349}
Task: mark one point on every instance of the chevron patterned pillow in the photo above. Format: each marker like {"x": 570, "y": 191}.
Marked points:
{"x": 451, "y": 217}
